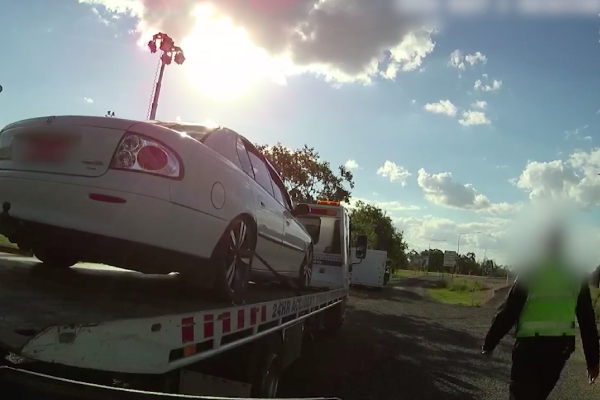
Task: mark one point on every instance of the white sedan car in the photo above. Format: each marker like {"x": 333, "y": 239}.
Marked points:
{"x": 154, "y": 197}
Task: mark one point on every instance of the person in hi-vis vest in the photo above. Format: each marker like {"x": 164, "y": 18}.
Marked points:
{"x": 544, "y": 305}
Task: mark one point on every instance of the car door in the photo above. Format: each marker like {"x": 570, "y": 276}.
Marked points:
{"x": 269, "y": 213}
{"x": 294, "y": 237}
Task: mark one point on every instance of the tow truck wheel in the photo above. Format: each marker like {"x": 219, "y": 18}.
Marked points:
{"x": 54, "y": 257}
{"x": 306, "y": 269}
{"x": 233, "y": 258}
{"x": 269, "y": 370}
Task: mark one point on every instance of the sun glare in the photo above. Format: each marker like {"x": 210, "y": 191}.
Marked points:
{"x": 220, "y": 59}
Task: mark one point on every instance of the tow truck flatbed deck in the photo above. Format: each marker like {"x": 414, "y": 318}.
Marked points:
{"x": 107, "y": 319}
{"x": 33, "y": 296}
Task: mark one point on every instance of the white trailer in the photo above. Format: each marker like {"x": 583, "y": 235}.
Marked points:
{"x": 96, "y": 329}
{"x": 371, "y": 271}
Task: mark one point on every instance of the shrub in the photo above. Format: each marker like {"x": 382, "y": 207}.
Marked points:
{"x": 460, "y": 287}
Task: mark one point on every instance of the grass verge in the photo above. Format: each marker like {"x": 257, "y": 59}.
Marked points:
{"x": 462, "y": 291}
{"x": 407, "y": 273}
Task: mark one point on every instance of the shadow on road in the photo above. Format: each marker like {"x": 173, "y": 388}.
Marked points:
{"x": 386, "y": 356}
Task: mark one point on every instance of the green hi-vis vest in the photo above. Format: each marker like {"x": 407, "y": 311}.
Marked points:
{"x": 551, "y": 302}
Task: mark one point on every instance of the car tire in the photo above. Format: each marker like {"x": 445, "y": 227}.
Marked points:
{"x": 54, "y": 257}
{"x": 306, "y": 269}
{"x": 233, "y": 257}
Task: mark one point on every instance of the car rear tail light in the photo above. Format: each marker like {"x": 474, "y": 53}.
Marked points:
{"x": 139, "y": 153}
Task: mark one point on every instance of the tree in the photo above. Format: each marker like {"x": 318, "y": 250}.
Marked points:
{"x": 381, "y": 233}
{"x": 489, "y": 267}
{"x": 436, "y": 259}
{"x": 306, "y": 176}
{"x": 467, "y": 264}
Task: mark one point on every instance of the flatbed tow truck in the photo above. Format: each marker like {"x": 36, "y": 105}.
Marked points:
{"x": 81, "y": 332}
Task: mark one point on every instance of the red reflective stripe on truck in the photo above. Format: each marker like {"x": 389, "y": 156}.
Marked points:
{"x": 187, "y": 329}
{"x": 226, "y": 317}
{"x": 209, "y": 326}
{"x": 263, "y": 313}
{"x": 253, "y": 312}
{"x": 240, "y": 321}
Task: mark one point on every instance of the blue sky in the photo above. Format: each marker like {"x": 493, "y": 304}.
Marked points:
{"x": 64, "y": 52}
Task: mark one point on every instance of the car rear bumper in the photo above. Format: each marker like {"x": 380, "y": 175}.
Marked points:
{"x": 109, "y": 220}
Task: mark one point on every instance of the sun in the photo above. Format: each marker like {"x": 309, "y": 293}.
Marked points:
{"x": 220, "y": 59}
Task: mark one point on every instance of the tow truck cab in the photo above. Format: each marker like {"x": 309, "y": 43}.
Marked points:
{"x": 328, "y": 223}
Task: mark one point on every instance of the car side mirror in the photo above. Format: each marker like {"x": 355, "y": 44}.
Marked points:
{"x": 361, "y": 247}
{"x": 301, "y": 209}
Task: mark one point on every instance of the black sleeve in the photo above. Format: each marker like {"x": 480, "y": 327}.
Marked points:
{"x": 587, "y": 326}
{"x": 507, "y": 315}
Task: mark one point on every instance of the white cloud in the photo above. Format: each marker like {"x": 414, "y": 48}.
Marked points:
{"x": 99, "y": 16}
{"x": 476, "y": 58}
{"x": 470, "y": 118}
{"x": 441, "y": 189}
{"x": 351, "y": 164}
{"x": 441, "y": 107}
{"x": 339, "y": 40}
{"x": 495, "y": 86}
{"x": 458, "y": 60}
{"x": 88, "y": 100}
{"x": 396, "y": 173}
{"x": 576, "y": 133}
{"x": 388, "y": 206}
{"x": 178, "y": 119}
{"x": 575, "y": 179}
{"x": 408, "y": 55}
{"x": 482, "y": 104}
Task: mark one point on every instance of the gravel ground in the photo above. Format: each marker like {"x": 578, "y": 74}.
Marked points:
{"x": 398, "y": 344}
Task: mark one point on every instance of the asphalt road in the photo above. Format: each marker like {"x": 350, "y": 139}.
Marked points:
{"x": 398, "y": 344}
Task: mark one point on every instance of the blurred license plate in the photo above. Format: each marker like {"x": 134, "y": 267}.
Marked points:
{"x": 46, "y": 148}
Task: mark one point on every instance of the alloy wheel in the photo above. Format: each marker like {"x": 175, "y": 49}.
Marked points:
{"x": 239, "y": 252}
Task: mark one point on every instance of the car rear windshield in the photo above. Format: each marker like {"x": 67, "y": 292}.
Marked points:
{"x": 325, "y": 233}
